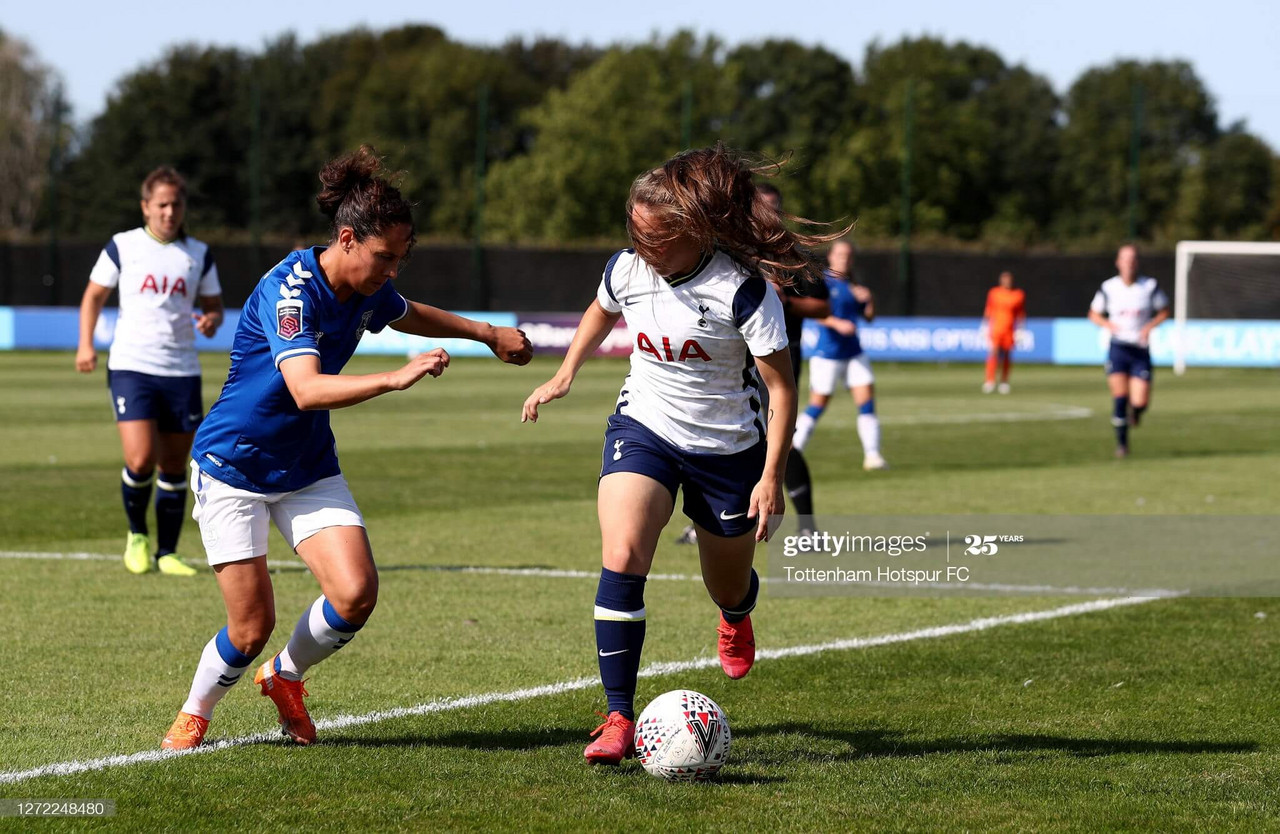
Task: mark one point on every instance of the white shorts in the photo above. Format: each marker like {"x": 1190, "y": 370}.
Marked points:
{"x": 824, "y": 374}
{"x": 233, "y": 522}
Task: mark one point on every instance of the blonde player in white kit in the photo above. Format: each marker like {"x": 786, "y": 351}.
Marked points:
{"x": 153, "y": 371}
{"x": 1130, "y": 306}
{"x": 709, "y": 335}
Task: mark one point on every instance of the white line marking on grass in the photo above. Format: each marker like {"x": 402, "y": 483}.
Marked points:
{"x": 566, "y": 573}
{"x": 340, "y": 722}
{"x": 1053, "y": 412}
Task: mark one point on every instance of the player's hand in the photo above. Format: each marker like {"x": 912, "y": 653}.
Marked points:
{"x": 86, "y": 359}
{"x": 208, "y": 323}
{"x": 843, "y": 326}
{"x": 766, "y": 502}
{"x": 432, "y": 362}
{"x": 861, "y": 293}
{"x": 510, "y": 345}
{"x": 552, "y": 389}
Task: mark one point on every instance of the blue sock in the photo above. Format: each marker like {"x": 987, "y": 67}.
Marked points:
{"x": 136, "y": 490}
{"x": 171, "y": 505}
{"x": 619, "y": 637}
{"x": 869, "y": 407}
{"x": 740, "y": 611}
{"x": 814, "y": 411}
{"x": 1120, "y": 419}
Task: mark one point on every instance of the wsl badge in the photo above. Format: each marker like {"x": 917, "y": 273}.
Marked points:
{"x": 288, "y": 318}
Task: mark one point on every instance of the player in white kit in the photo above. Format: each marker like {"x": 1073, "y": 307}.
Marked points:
{"x": 692, "y": 415}
{"x": 1129, "y": 305}
{"x": 153, "y": 371}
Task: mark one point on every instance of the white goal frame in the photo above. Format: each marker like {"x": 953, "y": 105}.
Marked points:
{"x": 1185, "y": 254}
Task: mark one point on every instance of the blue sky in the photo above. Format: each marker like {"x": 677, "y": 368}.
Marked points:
{"x": 1231, "y": 43}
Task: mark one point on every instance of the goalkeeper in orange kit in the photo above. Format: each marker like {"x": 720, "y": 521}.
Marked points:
{"x": 1005, "y": 314}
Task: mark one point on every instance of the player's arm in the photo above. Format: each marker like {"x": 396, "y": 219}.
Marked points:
{"x": 211, "y": 315}
{"x": 1101, "y": 320}
{"x": 805, "y": 307}
{"x": 766, "y": 498}
{"x": 596, "y": 324}
{"x": 1159, "y": 318}
{"x": 507, "y": 343}
{"x": 316, "y": 391}
{"x": 91, "y": 304}
{"x": 842, "y": 326}
{"x": 864, "y": 295}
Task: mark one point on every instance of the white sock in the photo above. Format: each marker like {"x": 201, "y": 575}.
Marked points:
{"x": 804, "y": 428}
{"x": 869, "y": 433}
{"x": 319, "y": 633}
{"x": 221, "y": 665}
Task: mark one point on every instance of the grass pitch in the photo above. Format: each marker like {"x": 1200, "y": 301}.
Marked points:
{"x": 1159, "y": 715}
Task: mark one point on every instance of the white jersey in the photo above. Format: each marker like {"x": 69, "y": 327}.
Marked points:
{"x": 158, "y": 285}
{"x": 1129, "y": 306}
{"x": 693, "y": 381}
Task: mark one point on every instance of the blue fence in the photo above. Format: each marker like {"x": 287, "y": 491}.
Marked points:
{"x": 1223, "y": 343}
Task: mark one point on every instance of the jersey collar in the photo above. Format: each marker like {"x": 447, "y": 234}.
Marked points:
{"x": 677, "y": 280}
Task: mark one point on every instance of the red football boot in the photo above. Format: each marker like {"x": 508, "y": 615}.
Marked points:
{"x": 616, "y": 740}
{"x": 737, "y": 647}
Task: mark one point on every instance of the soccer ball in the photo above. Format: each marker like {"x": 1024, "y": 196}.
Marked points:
{"x": 682, "y": 736}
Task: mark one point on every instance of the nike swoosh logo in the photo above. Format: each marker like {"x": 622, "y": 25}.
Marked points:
{"x": 726, "y": 517}
{"x": 611, "y": 654}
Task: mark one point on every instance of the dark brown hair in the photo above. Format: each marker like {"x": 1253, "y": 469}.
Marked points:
{"x": 164, "y": 175}
{"x": 710, "y": 195}
{"x": 359, "y": 194}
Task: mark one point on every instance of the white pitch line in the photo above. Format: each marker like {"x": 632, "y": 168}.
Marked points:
{"x": 653, "y": 670}
{"x": 567, "y": 573}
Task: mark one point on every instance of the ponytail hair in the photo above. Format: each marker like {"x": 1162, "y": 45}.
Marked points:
{"x": 710, "y": 195}
{"x": 357, "y": 193}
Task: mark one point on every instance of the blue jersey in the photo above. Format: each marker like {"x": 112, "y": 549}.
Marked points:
{"x": 832, "y": 345}
{"x": 255, "y": 437}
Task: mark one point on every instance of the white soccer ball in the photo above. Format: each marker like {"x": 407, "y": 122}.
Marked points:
{"x": 682, "y": 736}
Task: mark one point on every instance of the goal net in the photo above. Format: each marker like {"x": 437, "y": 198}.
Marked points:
{"x": 1225, "y": 281}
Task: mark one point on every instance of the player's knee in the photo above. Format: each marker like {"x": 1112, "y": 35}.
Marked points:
{"x": 355, "y": 602}
{"x": 626, "y": 557}
{"x": 140, "y": 463}
{"x": 251, "y": 634}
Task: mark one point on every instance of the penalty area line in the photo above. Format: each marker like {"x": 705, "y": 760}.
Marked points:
{"x": 339, "y": 722}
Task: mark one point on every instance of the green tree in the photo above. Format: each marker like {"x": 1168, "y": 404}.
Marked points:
{"x": 794, "y": 101}
{"x": 593, "y": 138}
{"x": 1177, "y": 116}
{"x": 30, "y": 107}
{"x": 984, "y": 142}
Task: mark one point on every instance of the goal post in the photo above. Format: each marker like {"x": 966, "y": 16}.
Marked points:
{"x": 1185, "y": 258}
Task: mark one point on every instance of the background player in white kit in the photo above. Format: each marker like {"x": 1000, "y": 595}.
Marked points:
{"x": 153, "y": 371}
{"x": 709, "y": 330}
{"x": 1130, "y": 306}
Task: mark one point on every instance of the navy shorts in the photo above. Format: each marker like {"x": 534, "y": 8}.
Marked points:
{"x": 717, "y": 488}
{"x": 1129, "y": 359}
{"x": 174, "y": 402}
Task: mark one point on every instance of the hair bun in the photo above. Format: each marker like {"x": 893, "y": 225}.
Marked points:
{"x": 345, "y": 175}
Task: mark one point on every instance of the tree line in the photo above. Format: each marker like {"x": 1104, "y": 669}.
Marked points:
{"x": 538, "y": 141}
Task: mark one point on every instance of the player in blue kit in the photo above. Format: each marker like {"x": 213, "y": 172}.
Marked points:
{"x": 838, "y": 358}
{"x": 266, "y": 452}
{"x": 1128, "y": 305}
{"x": 709, "y": 335}
{"x": 153, "y": 371}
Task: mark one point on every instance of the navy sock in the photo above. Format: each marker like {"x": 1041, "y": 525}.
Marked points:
{"x": 171, "y": 504}
{"x": 620, "y": 621}
{"x": 740, "y": 611}
{"x": 799, "y": 485}
{"x": 136, "y": 490}
{"x": 1120, "y": 419}
{"x": 1137, "y": 413}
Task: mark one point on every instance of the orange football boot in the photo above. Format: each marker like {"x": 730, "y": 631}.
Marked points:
{"x": 187, "y": 732}
{"x": 287, "y": 696}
